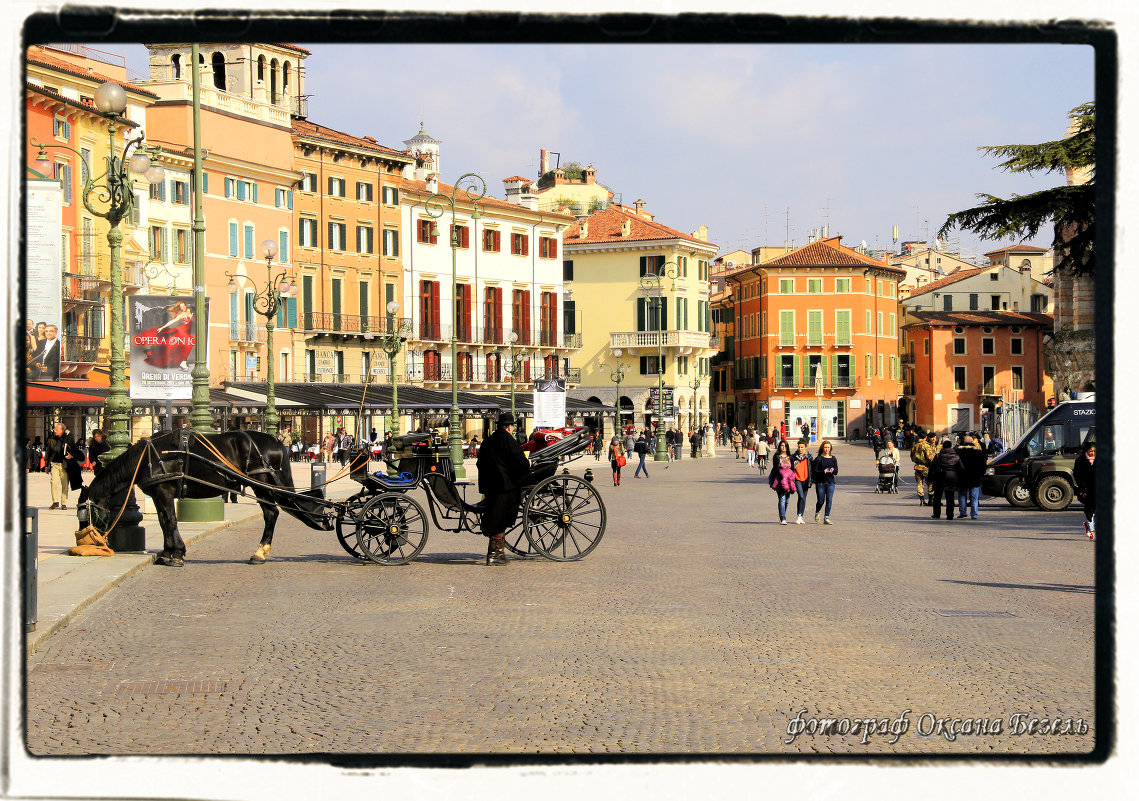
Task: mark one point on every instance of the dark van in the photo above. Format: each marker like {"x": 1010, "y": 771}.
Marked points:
{"x": 1059, "y": 432}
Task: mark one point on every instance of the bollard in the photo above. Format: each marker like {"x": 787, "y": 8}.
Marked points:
{"x": 31, "y": 567}
{"x": 318, "y": 478}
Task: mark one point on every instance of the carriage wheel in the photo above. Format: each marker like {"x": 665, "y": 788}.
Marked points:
{"x": 564, "y": 518}
{"x": 517, "y": 541}
{"x": 346, "y": 530}
{"x": 392, "y": 529}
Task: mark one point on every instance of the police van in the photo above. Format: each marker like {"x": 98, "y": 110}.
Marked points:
{"x": 1057, "y": 437}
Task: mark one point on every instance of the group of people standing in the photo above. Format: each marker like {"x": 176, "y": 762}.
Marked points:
{"x": 755, "y": 446}
{"x": 64, "y": 460}
{"x": 795, "y": 472}
{"x": 951, "y": 473}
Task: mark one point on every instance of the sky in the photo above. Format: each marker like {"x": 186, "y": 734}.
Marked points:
{"x": 761, "y": 143}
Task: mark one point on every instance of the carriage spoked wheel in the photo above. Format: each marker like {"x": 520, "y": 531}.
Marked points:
{"x": 517, "y": 542}
{"x": 564, "y": 518}
{"x": 346, "y": 530}
{"x": 392, "y": 529}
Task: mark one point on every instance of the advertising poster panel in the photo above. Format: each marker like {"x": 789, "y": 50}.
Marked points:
{"x": 162, "y": 346}
{"x": 43, "y": 286}
{"x": 549, "y": 403}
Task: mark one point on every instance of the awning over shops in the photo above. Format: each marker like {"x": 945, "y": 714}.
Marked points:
{"x": 63, "y": 394}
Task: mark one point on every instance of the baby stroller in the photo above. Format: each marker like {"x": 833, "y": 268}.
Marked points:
{"x": 887, "y": 475}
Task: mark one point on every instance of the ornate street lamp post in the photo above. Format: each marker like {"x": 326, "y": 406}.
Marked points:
{"x": 111, "y": 197}
{"x": 267, "y": 302}
{"x": 654, "y": 288}
{"x": 470, "y": 188}
{"x": 617, "y": 375}
{"x": 391, "y": 342}
{"x": 514, "y": 369}
{"x": 695, "y": 384}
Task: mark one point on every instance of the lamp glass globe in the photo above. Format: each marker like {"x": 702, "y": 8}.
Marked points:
{"x": 156, "y": 174}
{"x": 268, "y": 249}
{"x": 393, "y": 307}
{"x": 110, "y": 98}
{"x": 139, "y": 163}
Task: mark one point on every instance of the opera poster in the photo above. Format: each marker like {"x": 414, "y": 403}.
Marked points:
{"x": 43, "y": 289}
{"x": 162, "y": 340}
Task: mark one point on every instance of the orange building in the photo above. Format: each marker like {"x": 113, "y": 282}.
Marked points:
{"x": 960, "y": 364}
{"x": 816, "y": 341}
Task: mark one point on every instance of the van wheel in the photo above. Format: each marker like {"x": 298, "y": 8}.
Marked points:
{"x": 1018, "y": 494}
{"x": 1054, "y": 494}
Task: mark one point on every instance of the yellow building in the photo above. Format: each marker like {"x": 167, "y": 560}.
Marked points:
{"x": 555, "y": 190}
{"x": 606, "y": 256}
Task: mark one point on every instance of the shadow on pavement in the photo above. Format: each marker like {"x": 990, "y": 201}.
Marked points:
{"x": 1083, "y": 588}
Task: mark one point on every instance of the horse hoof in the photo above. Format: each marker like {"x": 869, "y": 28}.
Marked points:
{"x": 253, "y": 560}
{"x": 169, "y": 561}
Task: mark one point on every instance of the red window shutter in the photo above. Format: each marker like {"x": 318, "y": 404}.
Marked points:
{"x": 435, "y": 305}
{"x": 553, "y": 248}
{"x": 526, "y": 314}
{"x": 525, "y": 245}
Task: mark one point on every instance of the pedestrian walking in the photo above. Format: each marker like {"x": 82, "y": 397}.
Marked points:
{"x": 782, "y": 479}
{"x": 737, "y": 441}
{"x": 762, "y": 450}
{"x": 945, "y": 473}
{"x": 616, "y": 459}
{"x": 696, "y": 439}
{"x": 825, "y": 467}
{"x": 327, "y": 447}
{"x": 1083, "y": 473}
{"x": 973, "y": 463}
{"x": 921, "y": 454}
{"x": 802, "y": 463}
{"x": 62, "y": 464}
{"x": 876, "y": 443}
{"x": 502, "y": 467}
{"x": 630, "y": 441}
{"x": 641, "y": 449}
{"x": 749, "y": 444}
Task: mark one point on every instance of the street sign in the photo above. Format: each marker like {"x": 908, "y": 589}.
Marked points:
{"x": 669, "y": 404}
{"x": 549, "y": 403}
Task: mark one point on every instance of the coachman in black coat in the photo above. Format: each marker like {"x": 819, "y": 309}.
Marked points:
{"x": 945, "y": 474}
{"x": 502, "y": 467}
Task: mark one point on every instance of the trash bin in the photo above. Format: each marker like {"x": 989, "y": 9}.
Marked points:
{"x": 31, "y": 567}
{"x": 318, "y": 479}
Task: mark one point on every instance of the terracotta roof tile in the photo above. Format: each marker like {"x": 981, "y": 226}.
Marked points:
{"x": 89, "y": 107}
{"x": 825, "y": 253}
{"x": 1018, "y": 249}
{"x": 38, "y": 55}
{"x": 605, "y": 226}
{"x": 488, "y": 201}
{"x": 952, "y": 278}
{"x": 982, "y": 318}
{"x": 311, "y": 129}
{"x": 516, "y": 178}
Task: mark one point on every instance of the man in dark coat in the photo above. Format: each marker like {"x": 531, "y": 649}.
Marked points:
{"x": 973, "y": 464}
{"x": 502, "y": 467}
{"x": 60, "y": 454}
{"x": 944, "y": 474}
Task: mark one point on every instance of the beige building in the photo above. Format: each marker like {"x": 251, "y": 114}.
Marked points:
{"x": 1037, "y": 261}
{"x": 925, "y": 265}
{"x": 554, "y": 190}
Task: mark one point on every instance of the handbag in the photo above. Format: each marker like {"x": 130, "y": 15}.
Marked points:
{"x": 43, "y": 463}
{"x": 620, "y": 460}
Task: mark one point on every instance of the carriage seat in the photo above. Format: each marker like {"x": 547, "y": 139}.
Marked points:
{"x": 402, "y": 479}
{"x": 407, "y": 440}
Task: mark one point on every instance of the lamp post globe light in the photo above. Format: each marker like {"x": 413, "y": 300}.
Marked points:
{"x": 391, "y": 342}
{"x": 470, "y": 188}
{"x": 110, "y": 196}
{"x": 617, "y": 375}
{"x": 267, "y": 302}
{"x": 514, "y": 369}
{"x": 653, "y": 286}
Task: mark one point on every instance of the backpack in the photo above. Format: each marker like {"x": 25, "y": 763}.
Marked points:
{"x": 916, "y": 455}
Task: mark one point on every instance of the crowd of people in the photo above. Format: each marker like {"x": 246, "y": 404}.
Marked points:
{"x": 64, "y": 460}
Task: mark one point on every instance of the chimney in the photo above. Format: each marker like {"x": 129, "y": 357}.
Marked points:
{"x": 584, "y": 230}
{"x": 543, "y": 162}
{"x": 639, "y": 205}
{"x": 701, "y": 233}
{"x": 626, "y": 227}
{"x": 559, "y": 176}
{"x": 589, "y": 174}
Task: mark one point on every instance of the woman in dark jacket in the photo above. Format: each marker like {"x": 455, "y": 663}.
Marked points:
{"x": 944, "y": 473}
{"x": 1083, "y": 472}
{"x": 825, "y": 468}
{"x": 96, "y": 448}
{"x": 802, "y": 463}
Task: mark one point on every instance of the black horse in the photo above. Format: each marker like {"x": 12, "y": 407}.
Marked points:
{"x": 228, "y": 461}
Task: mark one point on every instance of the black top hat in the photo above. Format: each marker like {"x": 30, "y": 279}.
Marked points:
{"x": 505, "y": 419}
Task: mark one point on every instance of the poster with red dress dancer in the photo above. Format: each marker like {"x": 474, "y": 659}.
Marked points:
{"x": 162, "y": 342}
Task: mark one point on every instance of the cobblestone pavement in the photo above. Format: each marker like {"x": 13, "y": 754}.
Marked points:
{"x": 698, "y": 625}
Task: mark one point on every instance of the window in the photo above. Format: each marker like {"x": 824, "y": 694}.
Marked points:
{"x": 459, "y": 236}
{"x": 988, "y": 374}
{"x": 491, "y": 240}
{"x": 520, "y": 244}
{"x": 425, "y": 232}
{"x": 61, "y": 128}
{"x": 567, "y": 270}
{"x": 157, "y": 243}
{"x": 842, "y": 326}
{"x": 842, "y": 285}
{"x": 881, "y": 366}
{"x": 158, "y": 191}
{"x": 682, "y": 263}
{"x": 815, "y": 327}
{"x": 880, "y": 292}
{"x": 337, "y": 236}
{"x": 893, "y": 330}
{"x": 881, "y": 331}
{"x": 869, "y": 285}
{"x": 63, "y": 174}
{"x": 336, "y": 187}
{"x": 651, "y": 265}
{"x": 1018, "y": 378}
{"x": 786, "y": 286}
{"x": 995, "y": 302}
{"x": 815, "y": 286}
{"x": 995, "y": 275}
{"x": 987, "y": 346}
{"x": 391, "y": 242}
{"x": 364, "y": 243}
{"x": 390, "y": 195}
{"x": 233, "y": 239}
{"x": 959, "y": 378}
{"x": 308, "y": 237}
{"x": 649, "y": 365}
{"x": 249, "y": 241}
{"x": 1016, "y": 346}
{"x": 283, "y": 247}
{"x": 181, "y": 246}
{"x": 973, "y": 301}
{"x": 547, "y": 247}
{"x": 947, "y": 303}
{"x": 242, "y": 190}
{"x": 786, "y": 327}
{"x": 959, "y": 346}
{"x": 364, "y": 191}
{"x": 363, "y": 298}
{"x": 284, "y": 199}
{"x": 308, "y": 182}
{"x": 180, "y": 193}
{"x": 85, "y": 174}
{"x": 925, "y": 346}
{"x": 869, "y": 324}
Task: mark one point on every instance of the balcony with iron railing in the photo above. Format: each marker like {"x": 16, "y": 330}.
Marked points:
{"x": 804, "y": 382}
{"x": 806, "y": 341}
{"x": 345, "y": 324}
{"x": 246, "y": 332}
{"x": 639, "y": 340}
{"x": 498, "y": 338}
{"x": 80, "y": 290}
{"x": 80, "y": 349}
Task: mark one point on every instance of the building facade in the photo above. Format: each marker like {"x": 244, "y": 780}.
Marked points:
{"x": 816, "y": 341}
{"x": 961, "y": 366}
{"x": 995, "y": 288}
{"x": 1030, "y": 259}
{"x": 626, "y": 326}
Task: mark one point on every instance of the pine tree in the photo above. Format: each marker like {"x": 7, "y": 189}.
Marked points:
{"x": 1070, "y": 209}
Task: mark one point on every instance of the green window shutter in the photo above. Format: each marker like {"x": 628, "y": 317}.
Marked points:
{"x": 869, "y": 329}
{"x": 786, "y": 327}
{"x": 205, "y": 182}
{"x": 806, "y": 373}
{"x": 795, "y": 371}
{"x": 255, "y": 192}
{"x": 292, "y": 305}
{"x": 834, "y": 368}
{"x": 643, "y": 260}
{"x": 680, "y": 314}
{"x": 249, "y": 241}
{"x": 233, "y": 239}
{"x": 283, "y": 248}
{"x": 281, "y": 316}
{"x": 815, "y": 327}
{"x": 290, "y": 199}
{"x": 663, "y": 315}
{"x": 641, "y": 311}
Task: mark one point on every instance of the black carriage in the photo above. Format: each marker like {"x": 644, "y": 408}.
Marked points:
{"x": 562, "y": 515}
